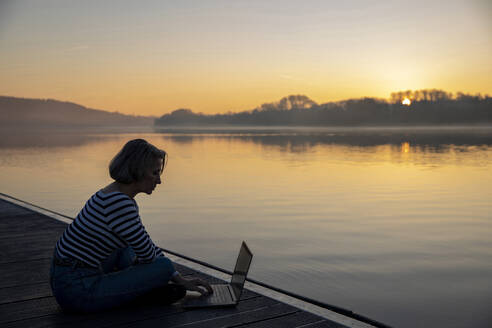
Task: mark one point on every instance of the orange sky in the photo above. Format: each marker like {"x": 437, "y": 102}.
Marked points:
{"x": 216, "y": 56}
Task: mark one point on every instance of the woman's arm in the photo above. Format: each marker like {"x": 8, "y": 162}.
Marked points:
{"x": 125, "y": 221}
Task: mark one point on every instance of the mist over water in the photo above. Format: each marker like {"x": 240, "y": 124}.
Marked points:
{"x": 392, "y": 223}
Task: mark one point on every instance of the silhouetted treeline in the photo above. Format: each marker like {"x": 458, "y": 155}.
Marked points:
{"x": 428, "y": 107}
{"x": 23, "y": 112}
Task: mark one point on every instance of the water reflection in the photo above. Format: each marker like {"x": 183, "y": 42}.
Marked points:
{"x": 286, "y": 139}
{"x": 427, "y": 147}
{"x": 420, "y": 147}
{"x": 428, "y": 140}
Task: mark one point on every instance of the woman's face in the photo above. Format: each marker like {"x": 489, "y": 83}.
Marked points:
{"x": 151, "y": 178}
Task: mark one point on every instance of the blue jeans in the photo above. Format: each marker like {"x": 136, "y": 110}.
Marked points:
{"x": 118, "y": 281}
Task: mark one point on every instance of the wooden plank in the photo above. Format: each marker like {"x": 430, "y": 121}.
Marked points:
{"x": 25, "y": 292}
{"x": 33, "y": 308}
{"x": 8, "y": 209}
{"x": 33, "y": 236}
{"x": 239, "y": 318}
{"x": 28, "y": 243}
{"x": 92, "y": 320}
{"x": 30, "y": 238}
{"x": 16, "y": 255}
{"x": 20, "y": 214}
{"x": 29, "y": 218}
{"x": 207, "y": 316}
{"x": 297, "y": 319}
{"x": 323, "y": 324}
{"x": 30, "y": 221}
{"x": 124, "y": 319}
{"x": 11, "y": 210}
{"x": 23, "y": 273}
{"x": 12, "y": 213}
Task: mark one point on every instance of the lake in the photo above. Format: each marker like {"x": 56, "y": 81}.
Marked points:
{"x": 392, "y": 223}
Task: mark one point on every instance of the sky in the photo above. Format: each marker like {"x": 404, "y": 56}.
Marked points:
{"x": 152, "y": 57}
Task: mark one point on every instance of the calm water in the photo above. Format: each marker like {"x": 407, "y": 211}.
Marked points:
{"x": 394, "y": 224}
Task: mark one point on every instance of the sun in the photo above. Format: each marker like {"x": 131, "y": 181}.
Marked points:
{"x": 406, "y": 102}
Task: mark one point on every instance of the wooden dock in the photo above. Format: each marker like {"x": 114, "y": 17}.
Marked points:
{"x": 26, "y": 243}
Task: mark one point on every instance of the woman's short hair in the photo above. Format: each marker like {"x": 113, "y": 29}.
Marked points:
{"x": 132, "y": 161}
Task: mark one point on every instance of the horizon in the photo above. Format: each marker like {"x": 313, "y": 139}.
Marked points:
{"x": 216, "y": 56}
{"x": 402, "y": 101}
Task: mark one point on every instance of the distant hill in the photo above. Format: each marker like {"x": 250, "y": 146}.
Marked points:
{"x": 420, "y": 107}
{"x": 24, "y": 112}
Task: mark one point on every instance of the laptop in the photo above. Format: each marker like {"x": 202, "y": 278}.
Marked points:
{"x": 226, "y": 294}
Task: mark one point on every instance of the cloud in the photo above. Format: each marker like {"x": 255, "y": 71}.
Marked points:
{"x": 287, "y": 77}
{"x": 296, "y": 79}
{"x": 77, "y": 47}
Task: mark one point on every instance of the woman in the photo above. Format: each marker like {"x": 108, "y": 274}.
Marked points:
{"x": 105, "y": 258}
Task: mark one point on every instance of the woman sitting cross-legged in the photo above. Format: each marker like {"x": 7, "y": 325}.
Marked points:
{"x": 105, "y": 258}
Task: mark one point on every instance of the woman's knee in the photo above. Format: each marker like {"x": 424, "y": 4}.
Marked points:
{"x": 165, "y": 265}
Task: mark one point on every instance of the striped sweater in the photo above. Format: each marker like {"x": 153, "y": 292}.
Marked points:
{"x": 107, "y": 222}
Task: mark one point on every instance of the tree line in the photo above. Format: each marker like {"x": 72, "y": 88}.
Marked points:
{"x": 420, "y": 107}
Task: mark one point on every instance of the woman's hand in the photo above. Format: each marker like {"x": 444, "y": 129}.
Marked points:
{"x": 198, "y": 285}
{"x": 194, "y": 284}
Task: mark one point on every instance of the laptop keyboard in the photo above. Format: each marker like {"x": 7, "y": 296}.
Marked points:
{"x": 221, "y": 294}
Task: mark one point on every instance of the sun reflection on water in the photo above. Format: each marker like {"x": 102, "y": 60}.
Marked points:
{"x": 405, "y": 147}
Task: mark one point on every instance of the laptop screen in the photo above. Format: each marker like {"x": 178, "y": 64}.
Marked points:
{"x": 241, "y": 270}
